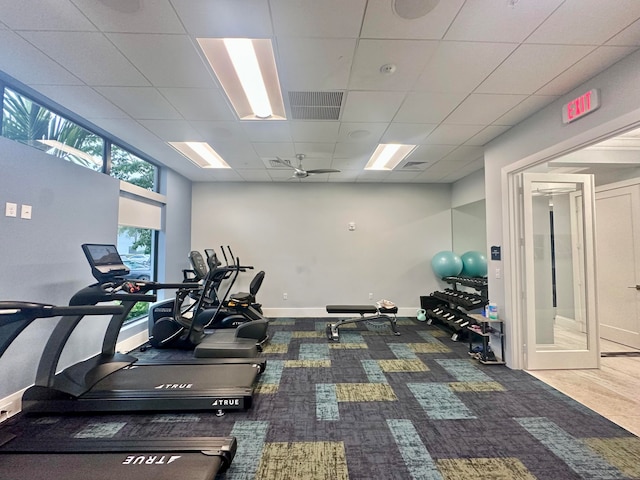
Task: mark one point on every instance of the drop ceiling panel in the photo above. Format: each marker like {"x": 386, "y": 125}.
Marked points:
{"x": 598, "y": 60}
{"x": 586, "y": 22}
{"x": 382, "y": 22}
{"x": 525, "y": 109}
{"x": 225, "y": 18}
{"x": 199, "y": 103}
{"x": 446, "y": 134}
{"x": 461, "y": 66}
{"x": 483, "y": 109}
{"x": 371, "y": 106}
{"x": 78, "y": 52}
{"x": 486, "y": 135}
{"x": 428, "y": 107}
{"x": 407, "y": 133}
{"x": 61, "y": 15}
{"x": 310, "y": 18}
{"x": 22, "y": 60}
{"x": 314, "y": 131}
{"x": 431, "y": 153}
{"x": 137, "y": 16}
{"x": 254, "y": 175}
{"x": 310, "y": 64}
{"x": 317, "y": 155}
{"x": 532, "y": 66}
{"x": 140, "y": 102}
{"x": 367, "y": 134}
{"x": 274, "y": 149}
{"x": 408, "y": 57}
{"x": 165, "y": 60}
{"x": 88, "y": 103}
{"x": 497, "y": 21}
{"x": 630, "y": 36}
{"x": 267, "y": 131}
{"x": 173, "y": 130}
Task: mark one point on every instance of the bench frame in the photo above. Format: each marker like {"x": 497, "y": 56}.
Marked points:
{"x": 374, "y": 313}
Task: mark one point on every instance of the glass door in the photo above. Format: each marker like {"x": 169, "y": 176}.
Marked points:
{"x": 559, "y": 278}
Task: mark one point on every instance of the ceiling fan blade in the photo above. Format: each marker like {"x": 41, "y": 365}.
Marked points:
{"x": 284, "y": 164}
{"x": 323, "y": 170}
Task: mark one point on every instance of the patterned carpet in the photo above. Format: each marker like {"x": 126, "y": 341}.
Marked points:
{"x": 375, "y": 405}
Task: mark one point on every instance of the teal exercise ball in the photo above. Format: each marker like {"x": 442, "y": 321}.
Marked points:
{"x": 474, "y": 264}
{"x": 446, "y": 264}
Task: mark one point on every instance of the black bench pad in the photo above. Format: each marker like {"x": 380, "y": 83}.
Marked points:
{"x": 360, "y": 309}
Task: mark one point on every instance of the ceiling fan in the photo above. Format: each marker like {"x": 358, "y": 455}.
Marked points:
{"x": 300, "y": 172}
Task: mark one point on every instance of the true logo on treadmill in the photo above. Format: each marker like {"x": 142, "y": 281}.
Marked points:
{"x": 226, "y": 402}
{"x": 150, "y": 459}
{"x": 174, "y": 386}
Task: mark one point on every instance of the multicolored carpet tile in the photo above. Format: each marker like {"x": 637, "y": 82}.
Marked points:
{"x": 379, "y": 406}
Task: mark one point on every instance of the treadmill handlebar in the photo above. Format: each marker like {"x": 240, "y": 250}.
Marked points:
{"x": 32, "y": 310}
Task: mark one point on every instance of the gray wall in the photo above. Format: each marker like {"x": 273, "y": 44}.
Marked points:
{"x": 41, "y": 258}
{"x": 298, "y": 233}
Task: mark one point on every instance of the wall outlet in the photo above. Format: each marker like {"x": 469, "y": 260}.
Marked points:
{"x": 25, "y": 212}
{"x": 11, "y": 210}
{"x": 284, "y": 296}
{"x": 370, "y": 296}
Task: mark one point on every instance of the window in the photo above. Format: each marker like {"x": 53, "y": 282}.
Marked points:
{"x": 27, "y": 122}
{"x": 131, "y": 168}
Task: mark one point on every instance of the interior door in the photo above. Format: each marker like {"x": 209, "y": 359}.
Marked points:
{"x": 618, "y": 247}
{"x": 561, "y": 329}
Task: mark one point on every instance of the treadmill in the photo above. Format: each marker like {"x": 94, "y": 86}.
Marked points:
{"x": 197, "y": 458}
{"x": 115, "y": 382}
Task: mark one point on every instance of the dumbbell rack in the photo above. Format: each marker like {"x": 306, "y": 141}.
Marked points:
{"x": 456, "y": 303}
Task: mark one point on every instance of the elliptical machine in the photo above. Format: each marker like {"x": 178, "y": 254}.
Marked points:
{"x": 226, "y": 314}
{"x": 188, "y": 321}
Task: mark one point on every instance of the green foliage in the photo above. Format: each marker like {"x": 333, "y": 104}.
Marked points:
{"x": 132, "y": 169}
{"x": 140, "y": 309}
{"x": 142, "y": 238}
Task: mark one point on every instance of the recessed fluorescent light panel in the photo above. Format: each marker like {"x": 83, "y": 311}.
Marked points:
{"x": 246, "y": 69}
{"x": 388, "y": 155}
{"x": 201, "y": 154}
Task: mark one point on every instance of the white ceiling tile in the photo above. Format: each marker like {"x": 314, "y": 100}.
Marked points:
{"x": 274, "y": 149}
{"x": 483, "y": 109}
{"x": 586, "y": 22}
{"x": 428, "y": 107}
{"x": 447, "y": 134}
{"x": 88, "y": 103}
{"x": 314, "y": 63}
{"x": 310, "y": 18}
{"x": 60, "y": 15}
{"x": 26, "y": 63}
{"x": 157, "y": 16}
{"x": 487, "y": 134}
{"x": 225, "y": 18}
{"x": 267, "y": 131}
{"x": 220, "y": 131}
{"x": 140, "y": 102}
{"x": 382, "y": 22}
{"x": 352, "y": 163}
{"x": 254, "y": 175}
{"x": 407, "y": 133}
{"x": 630, "y": 36}
{"x": 236, "y": 154}
{"x": 461, "y": 66}
{"x": 524, "y": 109}
{"x": 315, "y": 151}
{"x": 199, "y": 103}
{"x": 497, "y": 21}
{"x": 407, "y": 56}
{"x": 530, "y": 67}
{"x": 598, "y": 60}
{"x": 363, "y": 133}
{"x": 78, "y": 52}
{"x": 173, "y": 130}
{"x": 464, "y": 154}
{"x": 402, "y": 176}
{"x": 314, "y": 131}
{"x": 371, "y": 106}
{"x": 431, "y": 153}
{"x": 165, "y": 60}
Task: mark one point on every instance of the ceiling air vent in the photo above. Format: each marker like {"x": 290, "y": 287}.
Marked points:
{"x": 315, "y": 105}
{"x": 276, "y": 164}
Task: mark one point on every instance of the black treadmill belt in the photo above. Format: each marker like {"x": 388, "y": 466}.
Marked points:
{"x": 179, "y": 378}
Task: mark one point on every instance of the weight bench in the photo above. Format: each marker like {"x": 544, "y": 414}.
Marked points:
{"x": 374, "y": 313}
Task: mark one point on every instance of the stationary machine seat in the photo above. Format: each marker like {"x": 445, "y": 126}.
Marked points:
{"x": 385, "y": 311}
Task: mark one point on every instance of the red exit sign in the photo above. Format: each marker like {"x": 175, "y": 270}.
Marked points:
{"x": 579, "y": 107}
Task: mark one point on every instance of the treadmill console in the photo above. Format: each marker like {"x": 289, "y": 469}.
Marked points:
{"x": 105, "y": 261}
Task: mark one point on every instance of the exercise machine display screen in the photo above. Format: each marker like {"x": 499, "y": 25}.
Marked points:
{"x": 104, "y": 259}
